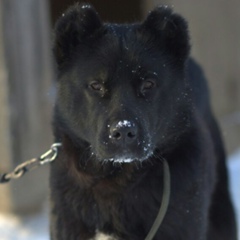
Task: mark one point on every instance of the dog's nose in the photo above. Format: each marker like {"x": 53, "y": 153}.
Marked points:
{"x": 123, "y": 132}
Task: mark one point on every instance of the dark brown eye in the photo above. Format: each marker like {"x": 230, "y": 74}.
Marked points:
{"x": 148, "y": 84}
{"x": 96, "y": 86}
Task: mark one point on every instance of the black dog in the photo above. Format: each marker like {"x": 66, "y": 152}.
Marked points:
{"x": 128, "y": 97}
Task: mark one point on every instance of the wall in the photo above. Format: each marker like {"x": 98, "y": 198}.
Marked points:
{"x": 26, "y": 75}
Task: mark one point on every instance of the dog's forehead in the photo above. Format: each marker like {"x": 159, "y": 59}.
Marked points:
{"x": 122, "y": 52}
{"x": 118, "y": 45}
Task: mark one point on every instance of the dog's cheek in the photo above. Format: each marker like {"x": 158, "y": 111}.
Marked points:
{"x": 76, "y": 115}
{"x": 93, "y": 122}
{"x": 102, "y": 137}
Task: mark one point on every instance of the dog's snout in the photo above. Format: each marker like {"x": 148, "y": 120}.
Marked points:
{"x": 123, "y": 132}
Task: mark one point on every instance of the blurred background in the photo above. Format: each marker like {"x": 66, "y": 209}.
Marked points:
{"x": 27, "y": 91}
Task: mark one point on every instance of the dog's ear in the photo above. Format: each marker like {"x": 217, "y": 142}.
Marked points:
{"x": 170, "y": 30}
{"x": 77, "y": 24}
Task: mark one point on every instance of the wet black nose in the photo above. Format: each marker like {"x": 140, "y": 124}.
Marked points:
{"x": 123, "y": 132}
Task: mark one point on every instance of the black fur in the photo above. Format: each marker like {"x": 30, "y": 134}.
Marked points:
{"x": 131, "y": 93}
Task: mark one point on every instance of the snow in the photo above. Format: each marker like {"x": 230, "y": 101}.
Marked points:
{"x": 122, "y": 160}
{"x": 234, "y": 169}
{"x": 36, "y": 227}
{"x": 124, "y": 123}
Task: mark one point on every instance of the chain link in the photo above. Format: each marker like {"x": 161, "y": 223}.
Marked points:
{"x": 32, "y": 164}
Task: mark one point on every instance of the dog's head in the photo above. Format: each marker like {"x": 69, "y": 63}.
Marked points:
{"x": 121, "y": 87}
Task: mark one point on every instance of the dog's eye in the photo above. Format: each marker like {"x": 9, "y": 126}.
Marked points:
{"x": 96, "y": 86}
{"x": 148, "y": 84}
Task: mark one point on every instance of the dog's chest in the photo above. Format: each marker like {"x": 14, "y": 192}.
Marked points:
{"x": 102, "y": 236}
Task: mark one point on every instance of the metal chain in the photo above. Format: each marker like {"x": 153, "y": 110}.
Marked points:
{"x": 32, "y": 164}
{"x": 51, "y": 155}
